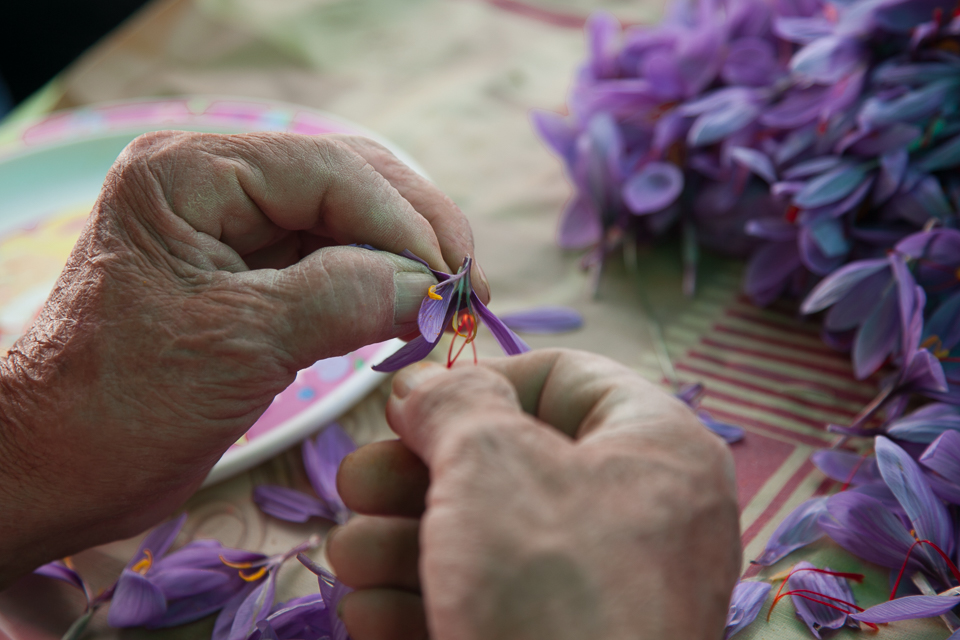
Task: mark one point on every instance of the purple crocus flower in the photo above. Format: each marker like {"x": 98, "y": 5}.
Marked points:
{"x": 451, "y": 302}
{"x": 691, "y": 394}
{"x": 942, "y": 457}
{"x": 303, "y": 618}
{"x": 926, "y": 423}
{"x": 321, "y": 460}
{"x": 821, "y": 600}
{"x": 908, "y": 608}
{"x": 745, "y": 604}
{"x": 241, "y": 616}
{"x": 64, "y": 571}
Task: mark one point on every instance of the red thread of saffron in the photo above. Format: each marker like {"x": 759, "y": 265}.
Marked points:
{"x": 803, "y": 593}
{"x": 465, "y": 326}
{"x": 953, "y": 568}
{"x": 856, "y": 577}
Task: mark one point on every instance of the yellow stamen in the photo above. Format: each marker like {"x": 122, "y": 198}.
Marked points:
{"x": 145, "y": 563}
{"x": 432, "y": 293}
{"x": 256, "y": 575}
{"x": 935, "y": 344}
{"x": 236, "y": 565}
{"x": 69, "y": 562}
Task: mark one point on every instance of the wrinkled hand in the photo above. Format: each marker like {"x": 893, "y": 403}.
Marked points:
{"x": 568, "y": 498}
{"x": 210, "y": 272}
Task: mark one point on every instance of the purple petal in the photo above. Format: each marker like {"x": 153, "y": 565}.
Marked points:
{"x": 893, "y": 167}
{"x": 815, "y": 615}
{"x": 827, "y": 60}
{"x": 509, "y": 341}
{"x": 926, "y": 424}
{"x": 945, "y": 156}
{"x": 204, "y": 554}
{"x": 912, "y": 106}
{"x": 544, "y": 320}
{"x": 745, "y": 604}
{"x": 224, "y": 624}
{"x": 414, "y": 351}
{"x": 254, "y": 608}
{"x": 797, "y": 530}
{"x": 756, "y": 161}
{"x": 896, "y": 137}
{"x": 831, "y": 186}
{"x": 802, "y": 30}
{"x": 944, "y": 324}
{"x": 186, "y": 610}
{"x": 823, "y": 246}
{"x": 775, "y": 229}
{"x": 846, "y": 467}
{"x": 924, "y": 374}
{"x": 714, "y": 126}
{"x": 183, "y": 583}
{"x": 943, "y": 456}
{"x": 559, "y": 132}
{"x": 853, "y": 308}
{"x": 799, "y": 107}
{"x": 60, "y": 571}
{"x": 653, "y": 188}
{"x": 750, "y": 62}
{"x": 867, "y": 528}
{"x": 840, "y": 283}
{"x": 579, "y": 224}
{"x": 730, "y": 433}
{"x": 603, "y": 33}
{"x": 289, "y": 504}
{"x": 794, "y": 144}
{"x": 333, "y": 592}
{"x": 136, "y": 601}
{"x": 908, "y": 484}
{"x": 908, "y": 608}
{"x": 813, "y": 167}
{"x": 158, "y": 540}
{"x": 322, "y": 458}
{"x": 769, "y": 269}
{"x": 876, "y": 338}
{"x": 435, "y": 314}
{"x": 304, "y": 618}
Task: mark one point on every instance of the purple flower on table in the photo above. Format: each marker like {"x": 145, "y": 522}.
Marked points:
{"x": 822, "y": 598}
{"x": 797, "y": 530}
{"x": 691, "y": 394}
{"x": 847, "y": 467}
{"x": 452, "y": 302}
{"x": 321, "y": 460}
{"x": 242, "y": 615}
{"x": 64, "y": 571}
{"x": 160, "y": 589}
{"x": 745, "y": 603}
{"x": 942, "y": 458}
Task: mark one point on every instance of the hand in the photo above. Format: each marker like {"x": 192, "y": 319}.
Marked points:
{"x": 209, "y": 272}
{"x": 568, "y": 498}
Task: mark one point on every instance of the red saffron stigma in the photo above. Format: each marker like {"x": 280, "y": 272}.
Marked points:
{"x": 856, "y": 577}
{"x": 464, "y": 326}
{"x": 792, "y": 212}
{"x": 805, "y": 594}
{"x": 953, "y": 568}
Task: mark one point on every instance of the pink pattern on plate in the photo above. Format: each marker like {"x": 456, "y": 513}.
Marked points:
{"x": 311, "y": 386}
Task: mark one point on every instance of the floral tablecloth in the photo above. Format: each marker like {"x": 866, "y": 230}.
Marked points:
{"x": 452, "y": 82}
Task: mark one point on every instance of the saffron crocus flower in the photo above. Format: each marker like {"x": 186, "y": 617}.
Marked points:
{"x": 745, "y": 604}
{"x": 452, "y": 302}
{"x": 303, "y": 618}
{"x": 240, "y": 617}
{"x": 821, "y": 600}
{"x": 925, "y": 424}
{"x": 321, "y": 459}
{"x": 64, "y": 571}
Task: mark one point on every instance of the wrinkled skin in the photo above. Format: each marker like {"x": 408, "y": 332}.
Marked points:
{"x": 554, "y": 494}
{"x": 208, "y": 274}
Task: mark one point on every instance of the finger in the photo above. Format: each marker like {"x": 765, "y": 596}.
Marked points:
{"x": 384, "y": 478}
{"x": 370, "y": 552}
{"x": 335, "y": 300}
{"x": 448, "y": 222}
{"x": 580, "y": 393}
{"x": 250, "y": 190}
{"x": 384, "y": 614}
{"x": 439, "y": 413}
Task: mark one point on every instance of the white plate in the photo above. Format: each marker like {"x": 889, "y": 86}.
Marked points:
{"x": 51, "y": 171}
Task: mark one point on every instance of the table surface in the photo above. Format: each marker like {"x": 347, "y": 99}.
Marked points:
{"x": 452, "y": 82}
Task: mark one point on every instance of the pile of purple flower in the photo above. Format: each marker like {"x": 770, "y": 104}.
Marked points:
{"x": 821, "y": 139}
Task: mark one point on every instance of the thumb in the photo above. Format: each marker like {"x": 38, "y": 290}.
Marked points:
{"x": 339, "y": 299}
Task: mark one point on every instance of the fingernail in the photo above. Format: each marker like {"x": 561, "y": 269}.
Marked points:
{"x": 409, "y": 290}
{"x": 408, "y": 379}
